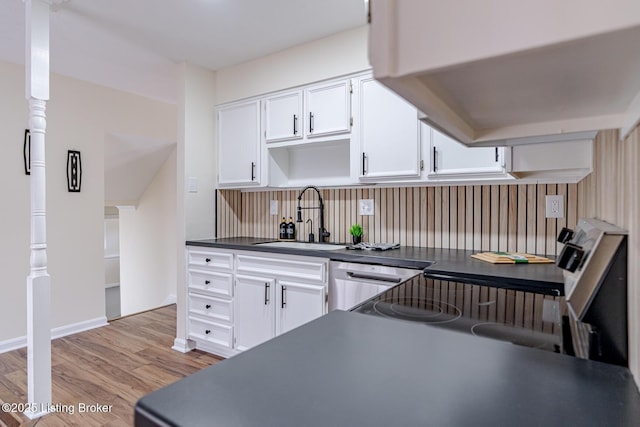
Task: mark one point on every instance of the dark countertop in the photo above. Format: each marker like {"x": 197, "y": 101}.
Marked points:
{"x": 349, "y": 369}
{"x": 448, "y": 264}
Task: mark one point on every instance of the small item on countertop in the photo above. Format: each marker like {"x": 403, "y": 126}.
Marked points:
{"x": 283, "y": 229}
{"x": 291, "y": 229}
{"x": 511, "y": 258}
{"x": 374, "y": 246}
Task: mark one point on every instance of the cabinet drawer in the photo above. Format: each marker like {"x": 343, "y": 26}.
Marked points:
{"x": 204, "y": 258}
{"x": 214, "y": 333}
{"x": 211, "y": 282}
{"x": 279, "y": 267}
{"x": 211, "y": 307}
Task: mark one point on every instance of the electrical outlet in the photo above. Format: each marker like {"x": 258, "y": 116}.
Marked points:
{"x": 550, "y": 311}
{"x": 273, "y": 207}
{"x": 554, "y": 206}
{"x": 365, "y": 207}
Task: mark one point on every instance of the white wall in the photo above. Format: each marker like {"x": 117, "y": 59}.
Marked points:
{"x": 111, "y": 250}
{"x": 196, "y": 158}
{"x": 147, "y": 245}
{"x": 332, "y": 56}
{"x": 79, "y": 115}
{"x": 198, "y": 132}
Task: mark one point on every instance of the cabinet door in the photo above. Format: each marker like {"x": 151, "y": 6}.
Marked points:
{"x": 239, "y": 145}
{"x": 389, "y": 133}
{"x": 254, "y": 311}
{"x": 328, "y": 109}
{"x": 283, "y": 117}
{"x": 297, "y": 304}
{"x": 450, "y": 158}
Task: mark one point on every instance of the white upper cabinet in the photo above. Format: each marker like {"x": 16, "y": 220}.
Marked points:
{"x": 452, "y": 160}
{"x": 239, "y": 145}
{"x": 328, "y": 109}
{"x": 283, "y": 117}
{"x": 388, "y": 133}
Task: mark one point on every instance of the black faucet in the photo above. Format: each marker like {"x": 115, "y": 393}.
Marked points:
{"x": 322, "y": 232}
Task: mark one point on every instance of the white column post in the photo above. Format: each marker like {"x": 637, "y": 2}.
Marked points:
{"x": 38, "y": 282}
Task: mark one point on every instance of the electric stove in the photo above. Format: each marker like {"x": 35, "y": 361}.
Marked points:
{"x": 522, "y": 318}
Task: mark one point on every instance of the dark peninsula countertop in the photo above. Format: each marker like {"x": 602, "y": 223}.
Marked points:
{"x": 349, "y": 369}
{"x": 446, "y": 264}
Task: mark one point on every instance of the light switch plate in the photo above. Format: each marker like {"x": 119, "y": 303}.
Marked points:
{"x": 273, "y": 207}
{"x": 365, "y": 207}
{"x": 192, "y": 184}
{"x": 554, "y": 206}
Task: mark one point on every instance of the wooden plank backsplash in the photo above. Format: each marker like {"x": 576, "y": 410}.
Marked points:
{"x": 475, "y": 217}
{"x": 478, "y": 217}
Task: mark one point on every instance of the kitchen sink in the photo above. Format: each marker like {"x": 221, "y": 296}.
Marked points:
{"x": 304, "y": 245}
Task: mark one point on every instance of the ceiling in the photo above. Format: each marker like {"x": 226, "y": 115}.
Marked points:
{"x": 136, "y": 46}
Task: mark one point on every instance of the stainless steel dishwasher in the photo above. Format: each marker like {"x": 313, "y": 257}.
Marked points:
{"x": 351, "y": 284}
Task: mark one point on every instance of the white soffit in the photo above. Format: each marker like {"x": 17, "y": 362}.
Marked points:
{"x": 593, "y": 77}
{"x": 493, "y": 71}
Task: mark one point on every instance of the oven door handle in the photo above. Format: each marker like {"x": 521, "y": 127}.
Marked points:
{"x": 388, "y": 279}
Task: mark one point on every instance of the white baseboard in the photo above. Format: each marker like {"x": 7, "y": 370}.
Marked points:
{"x": 170, "y": 299}
{"x": 35, "y": 415}
{"x": 182, "y": 345}
{"x": 59, "y": 332}
{"x": 13, "y": 344}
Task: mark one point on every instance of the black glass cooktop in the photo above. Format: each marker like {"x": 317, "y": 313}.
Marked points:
{"x": 523, "y": 318}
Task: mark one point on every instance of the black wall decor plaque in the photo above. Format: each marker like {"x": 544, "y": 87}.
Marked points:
{"x": 26, "y": 152}
{"x": 74, "y": 171}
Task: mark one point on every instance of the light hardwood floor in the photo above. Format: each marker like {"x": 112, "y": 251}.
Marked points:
{"x": 113, "y": 365}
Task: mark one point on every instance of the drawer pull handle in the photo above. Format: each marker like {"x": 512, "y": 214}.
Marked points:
{"x": 207, "y": 260}
{"x": 207, "y": 332}
{"x": 208, "y": 306}
{"x": 207, "y": 282}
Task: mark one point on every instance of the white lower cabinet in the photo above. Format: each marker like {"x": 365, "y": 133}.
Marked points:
{"x": 207, "y": 333}
{"x": 266, "y": 307}
{"x": 297, "y": 304}
{"x": 275, "y": 293}
{"x": 250, "y": 298}
{"x": 255, "y": 308}
{"x": 210, "y": 299}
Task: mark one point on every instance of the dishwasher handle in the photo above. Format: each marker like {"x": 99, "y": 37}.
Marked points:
{"x": 365, "y": 276}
